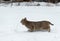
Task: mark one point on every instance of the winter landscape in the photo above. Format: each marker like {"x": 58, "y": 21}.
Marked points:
{"x": 12, "y": 30}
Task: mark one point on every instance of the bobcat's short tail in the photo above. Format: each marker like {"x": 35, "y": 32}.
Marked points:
{"x": 51, "y": 23}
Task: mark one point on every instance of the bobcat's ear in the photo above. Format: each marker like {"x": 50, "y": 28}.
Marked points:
{"x": 25, "y": 18}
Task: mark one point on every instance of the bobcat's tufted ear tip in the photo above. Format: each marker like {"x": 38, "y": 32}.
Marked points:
{"x": 25, "y": 17}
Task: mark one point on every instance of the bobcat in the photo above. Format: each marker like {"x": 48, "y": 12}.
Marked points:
{"x": 36, "y": 26}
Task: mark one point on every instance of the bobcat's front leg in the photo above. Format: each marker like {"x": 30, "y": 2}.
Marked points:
{"x": 30, "y": 30}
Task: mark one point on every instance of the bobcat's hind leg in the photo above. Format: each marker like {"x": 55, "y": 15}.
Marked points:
{"x": 49, "y": 29}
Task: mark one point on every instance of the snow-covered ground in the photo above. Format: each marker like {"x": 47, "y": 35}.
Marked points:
{"x": 12, "y": 30}
{"x": 30, "y": 4}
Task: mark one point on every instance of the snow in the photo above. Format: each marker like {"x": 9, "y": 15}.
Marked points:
{"x": 12, "y": 30}
{"x": 30, "y": 4}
